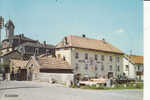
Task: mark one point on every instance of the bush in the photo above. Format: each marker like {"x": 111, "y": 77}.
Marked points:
{"x": 92, "y": 87}
{"x": 139, "y": 85}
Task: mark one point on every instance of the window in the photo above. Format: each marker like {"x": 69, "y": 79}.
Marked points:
{"x": 31, "y": 66}
{"x": 96, "y": 68}
{"x": 86, "y": 55}
{"x": 76, "y": 67}
{"x": 127, "y": 68}
{"x": 36, "y": 51}
{"x": 102, "y": 68}
{"x": 86, "y": 66}
{"x": 110, "y": 58}
{"x": 118, "y": 68}
{"x": 138, "y": 68}
{"x": 91, "y": 62}
{"x": 102, "y": 57}
{"x": 96, "y": 57}
{"x": 76, "y": 55}
{"x": 110, "y": 67}
{"x": 118, "y": 59}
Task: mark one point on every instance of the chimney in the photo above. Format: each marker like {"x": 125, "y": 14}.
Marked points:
{"x": 65, "y": 41}
{"x": 104, "y": 40}
{"x": 44, "y": 43}
{"x": 19, "y": 38}
{"x": 22, "y": 35}
{"x": 83, "y": 35}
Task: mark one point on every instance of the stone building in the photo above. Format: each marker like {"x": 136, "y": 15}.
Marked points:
{"x": 26, "y": 46}
{"x": 5, "y": 57}
{"x": 18, "y": 69}
{"x": 46, "y": 68}
{"x": 90, "y": 57}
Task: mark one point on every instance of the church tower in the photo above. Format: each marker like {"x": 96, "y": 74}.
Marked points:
{"x": 9, "y": 29}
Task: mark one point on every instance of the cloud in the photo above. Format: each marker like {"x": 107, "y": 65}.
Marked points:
{"x": 121, "y": 30}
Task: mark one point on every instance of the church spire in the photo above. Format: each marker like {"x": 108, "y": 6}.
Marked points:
{"x": 9, "y": 29}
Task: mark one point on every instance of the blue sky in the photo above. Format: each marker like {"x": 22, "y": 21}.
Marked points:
{"x": 120, "y": 22}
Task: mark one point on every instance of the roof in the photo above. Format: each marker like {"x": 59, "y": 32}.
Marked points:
{"x": 20, "y": 36}
{"x": 137, "y": 59}
{"x": 88, "y": 43}
{"x": 37, "y": 44}
{"x": 18, "y": 63}
{"x": 7, "y": 53}
{"x": 52, "y": 63}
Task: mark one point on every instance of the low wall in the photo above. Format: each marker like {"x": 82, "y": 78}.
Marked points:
{"x": 59, "y": 77}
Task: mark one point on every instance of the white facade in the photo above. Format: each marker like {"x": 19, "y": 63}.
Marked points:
{"x": 129, "y": 68}
{"x": 139, "y": 68}
{"x": 91, "y": 67}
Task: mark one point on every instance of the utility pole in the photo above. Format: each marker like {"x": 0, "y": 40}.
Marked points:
{"x": 1, "y": 26}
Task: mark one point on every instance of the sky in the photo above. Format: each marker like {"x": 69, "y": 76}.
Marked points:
{"x": 119, "y": 22}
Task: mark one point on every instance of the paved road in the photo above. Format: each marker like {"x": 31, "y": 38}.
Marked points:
{"x": 25, "y": 90}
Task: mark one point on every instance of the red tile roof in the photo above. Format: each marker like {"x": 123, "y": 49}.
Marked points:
{"x": 52, "y": 63}
{"x": 88, "y": 43}
{"x": 137, "y": 59}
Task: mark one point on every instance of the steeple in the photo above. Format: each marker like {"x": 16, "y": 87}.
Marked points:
{"x": 9, "y": 29}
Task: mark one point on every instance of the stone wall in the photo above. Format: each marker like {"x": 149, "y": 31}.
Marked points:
{"x": 58, "y": 77}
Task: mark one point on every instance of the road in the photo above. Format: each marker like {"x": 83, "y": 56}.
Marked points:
{"x": 25, "y": 90}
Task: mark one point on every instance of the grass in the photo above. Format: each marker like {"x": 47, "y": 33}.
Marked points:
{"x": 118, "y": 86}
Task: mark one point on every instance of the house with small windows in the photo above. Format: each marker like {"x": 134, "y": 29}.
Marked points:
{"x": 139, "y": 66}
{"x": 133, "y": 67}
{"x": 90, "y": 57}
{"x": 129, "y": 68}
{"x": 47, "y": 68}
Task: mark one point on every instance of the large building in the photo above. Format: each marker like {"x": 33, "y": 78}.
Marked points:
{"x": 90, "y": 57}
{"x": 26, "y": 46}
